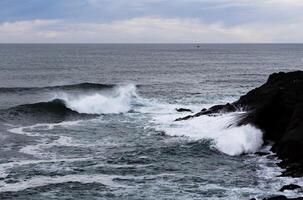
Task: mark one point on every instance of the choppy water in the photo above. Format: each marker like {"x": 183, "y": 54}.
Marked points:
{"x": 97, "y": 121}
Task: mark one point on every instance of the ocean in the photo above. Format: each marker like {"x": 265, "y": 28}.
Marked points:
{"x": 96, "y": 121}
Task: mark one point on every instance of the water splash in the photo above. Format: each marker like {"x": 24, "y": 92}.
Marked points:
{"x": 119, "y": 101}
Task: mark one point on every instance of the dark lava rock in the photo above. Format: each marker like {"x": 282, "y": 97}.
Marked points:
{"x": 290, "y": 187}
{"x": 211, "y": 111}
{"x": 183, "y": 110}
{"x": 277, "y": 198}
{"x": 283, "y": 198}
{"x": 276, "y": 108}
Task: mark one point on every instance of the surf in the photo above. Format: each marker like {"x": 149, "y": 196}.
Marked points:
{"x": 119, "y": 101}
{"x": 224, "y": 137}
{"x": 65, "y": 106}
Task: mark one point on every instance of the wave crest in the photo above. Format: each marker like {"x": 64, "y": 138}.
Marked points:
{"x": 119, "y": 101}
{"x": 65, "y": 107}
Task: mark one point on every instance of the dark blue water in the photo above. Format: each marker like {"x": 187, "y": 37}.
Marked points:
{"x": 97, "y": 121}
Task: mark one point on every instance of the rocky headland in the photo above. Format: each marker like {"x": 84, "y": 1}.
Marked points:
{"x": 276, "y": 108}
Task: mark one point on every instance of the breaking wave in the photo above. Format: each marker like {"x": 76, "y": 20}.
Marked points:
{"x": 64, "y": 106}
{"x": 120, "y": 101}
{"x": 230, "y": 140}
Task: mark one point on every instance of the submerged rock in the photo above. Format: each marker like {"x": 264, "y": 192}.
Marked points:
{"x": 281, "y": 197}
{"x": 276, "y": 108}
{"x": 183, "y": 110}
{"x": 290, "y": 187}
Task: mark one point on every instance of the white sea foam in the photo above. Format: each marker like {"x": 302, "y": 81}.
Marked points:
{"x": 44, "y": 143}
{"x": 108, "y": 180}
{"x": 37, "y": 149}
{"x": 4, "y": 167}
{"x": 268, "y": 173}
{"x": 40, "y": 181}
{"x": 229, "y": 140}
{"x": 117, "y": 102}
{"x": 28, "y": 130}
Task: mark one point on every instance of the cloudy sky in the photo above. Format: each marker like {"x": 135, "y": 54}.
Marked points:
{"x": 151, "y": 21}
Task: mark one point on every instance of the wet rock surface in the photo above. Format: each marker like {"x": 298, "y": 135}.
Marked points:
{"x": 290, "y": 187}
{"x": 283, "y": 198}
{"x": 183, "y": 110}
{"x": 276, "y": 108}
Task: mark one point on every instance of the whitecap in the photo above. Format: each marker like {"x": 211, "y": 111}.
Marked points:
{"x": 41, "y": 181}
{"x": 119, "y": 101}
{"x": 229, "y": 140}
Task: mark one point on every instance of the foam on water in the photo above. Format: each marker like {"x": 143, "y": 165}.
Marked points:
{"x": 117, "y": 102}
{"x": 4, "y": 167}
{"x": 27, "y": 130}
{"x": 229, "y": 140}
{"x": 40, "y": 181}
{"x": 268, "y": 174}
{"x": 108, "y": 180}
{"x": 37, "y": 150}
{"x": 43, "y": 142}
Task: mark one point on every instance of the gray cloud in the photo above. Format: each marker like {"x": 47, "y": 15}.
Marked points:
{"x": 148, "y": 30}
{"x": 151, "y": 21}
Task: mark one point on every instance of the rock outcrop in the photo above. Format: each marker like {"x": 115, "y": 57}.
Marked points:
{"x": 290, "y": 187}
{"x": 283, "y": 198}
{"x": 276, "y": 108}
{"x": 183, "y": 110}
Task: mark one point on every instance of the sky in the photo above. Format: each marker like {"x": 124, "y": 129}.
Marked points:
{"x": 151, "y": 21}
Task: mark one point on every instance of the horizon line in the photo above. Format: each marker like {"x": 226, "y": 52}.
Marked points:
{"x": 154, "y": 43}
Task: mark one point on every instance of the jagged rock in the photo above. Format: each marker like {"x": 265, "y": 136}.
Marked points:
{"x": 276, "y": 108}
{"x": 281, "y": 197}
{"x": 213, "y": 110}
{"x": 280, "y": 116}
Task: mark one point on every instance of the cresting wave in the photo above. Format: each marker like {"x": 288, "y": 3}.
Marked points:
{"x": 54, "y": 111}
{"x": 118, "y": 101}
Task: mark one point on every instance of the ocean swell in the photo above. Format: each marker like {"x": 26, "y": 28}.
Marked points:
{"x": 79, "y": 87}
{"x": 66, "y": 107}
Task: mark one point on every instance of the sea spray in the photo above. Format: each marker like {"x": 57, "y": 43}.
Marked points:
{"x": 119, "y": 101}
{"x": 229, "y": 140}
{"x": 239, "y": 140}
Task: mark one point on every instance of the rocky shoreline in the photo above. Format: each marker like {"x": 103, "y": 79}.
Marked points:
{"x": 276, "y": 108}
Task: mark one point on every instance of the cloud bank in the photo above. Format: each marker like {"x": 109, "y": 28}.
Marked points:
{"x": 151, "y": 21}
